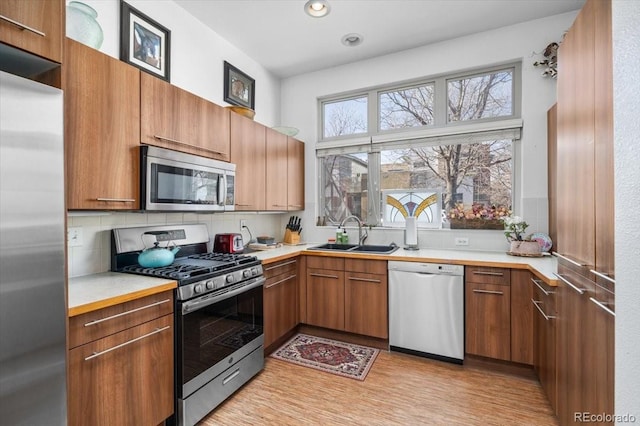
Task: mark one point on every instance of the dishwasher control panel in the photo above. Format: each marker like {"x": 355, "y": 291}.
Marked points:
{"x": 426, "y": 268}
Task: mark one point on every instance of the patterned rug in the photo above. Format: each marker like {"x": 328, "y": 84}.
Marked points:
{"x": 343, "y": 359}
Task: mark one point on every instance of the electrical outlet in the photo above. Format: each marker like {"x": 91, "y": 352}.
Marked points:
{"x": 462, "y": 241}
{"x": 74, "y": 236}
{"x": 243, "y": 223}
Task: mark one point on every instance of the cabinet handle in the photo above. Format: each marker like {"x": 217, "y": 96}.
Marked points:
{"x": 98, "y": 321}
{"x": 244, "y": 205}
{"x": 602, "y": 275}
{"x": 536, "y": 303}
{"x": 177, "y": 142}
{"x": 495, "y": 274}
{"x": 117, "y": 200}
{"x": 230, "y": 377}
{"x": 601, "y": 305}
{"x": 573, "y": 262}
{"x": 278, "y": 205}
{"x": 144, "y": 336}
{"x": 23, "y": 26}
{"x": 564, "y": 280}
{"x": 280, "y": 282}
{"x": 335, "y": 277}
{"x": 546, "y": 293}
{"x": 280, "y": 265}
{"x": 367, "y": 280}
{"x": 488, "y": 292}
{"x": 295, "y": 205}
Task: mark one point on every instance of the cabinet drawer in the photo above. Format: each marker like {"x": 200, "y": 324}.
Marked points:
{"x": 104, "y": 322}
{"x": 365, "y": 265}
{"x": 320, "y": 262}
{"x": 544, "y": 296}
{"x": 289, "y": 266}
{"x": 487, "y": 275}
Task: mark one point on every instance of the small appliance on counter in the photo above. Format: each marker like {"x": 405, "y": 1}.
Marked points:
{"x": 228, "y": 243}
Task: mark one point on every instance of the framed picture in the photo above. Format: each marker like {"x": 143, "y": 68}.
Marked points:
{"x": 143, "y": 42}
{"x": 239, "y": 88}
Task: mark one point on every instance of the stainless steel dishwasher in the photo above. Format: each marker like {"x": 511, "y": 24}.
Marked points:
{"x": 426, "y": 310}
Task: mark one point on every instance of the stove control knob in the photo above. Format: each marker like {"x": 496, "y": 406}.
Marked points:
{"x": 197, "y": 288}
{"x": 246, "y": 273}
{"x": 254, "y": 271}
{"x": 230, "y": 279}
{"x": 210, "y": 285}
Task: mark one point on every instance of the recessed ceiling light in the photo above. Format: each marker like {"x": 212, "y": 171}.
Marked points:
{"x": 352, "y": 39}
{"x": 317, "y": 8}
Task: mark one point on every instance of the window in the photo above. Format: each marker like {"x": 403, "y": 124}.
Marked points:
{"x": 344, "y": 186}
{"x": 484, "y": 96}
{"x": 410, "y": 107}
{"x": 345, "y": 117}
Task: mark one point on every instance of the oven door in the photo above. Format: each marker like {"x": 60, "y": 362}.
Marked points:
{"x": 216, "y": 330}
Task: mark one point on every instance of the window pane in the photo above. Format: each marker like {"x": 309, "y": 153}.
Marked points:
{"x": 410, "y": 107}
{"x": 346, "y": 117}
{"x": 344, "y": 186}
{"x": 485, "y": 96}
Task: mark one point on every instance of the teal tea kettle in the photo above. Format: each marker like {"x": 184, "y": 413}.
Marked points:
{"x": 156, "y": 257}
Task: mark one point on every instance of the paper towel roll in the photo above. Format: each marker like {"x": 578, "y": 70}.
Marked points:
{"x": 411, "y": 231}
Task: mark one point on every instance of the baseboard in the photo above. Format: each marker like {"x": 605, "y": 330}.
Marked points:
{"x": 356, "y": 339}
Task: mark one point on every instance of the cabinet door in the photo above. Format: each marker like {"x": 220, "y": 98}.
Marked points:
{"x": 280, "y": 306}
{"x": 102, "y": 130}
{"x": 325, "y": 298}
{"x": 365, "y": 300}
{"x": 248, "y": 145}
{"x": 276, "y": 198}
{"x": 37, "y": 27}
{"x": 544, "y": 336}
{"x": 605, "y": 351}
{"x": 552, "y": 167}
{"x": 521, "y": 317}
{"x": 175, "y": 119}
{"x": 125, "y": 378}
{"x": 295, "y": 174}
{"x": 488, "y": 320}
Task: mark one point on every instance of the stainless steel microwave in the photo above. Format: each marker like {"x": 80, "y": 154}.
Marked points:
{"x": 175, "y": 181}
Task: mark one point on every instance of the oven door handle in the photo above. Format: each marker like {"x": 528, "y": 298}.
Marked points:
{"x": 201, "y": 302}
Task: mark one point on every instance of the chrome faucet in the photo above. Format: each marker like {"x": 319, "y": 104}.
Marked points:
{"x": 361, "y": 228}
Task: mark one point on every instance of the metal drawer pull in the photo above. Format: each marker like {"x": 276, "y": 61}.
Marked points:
{"x": 244, "y": 205}
{"x": 278, "y": 205}
{"x": 546, "y": 293}
{"x": 231, "y": 376}
{"x": 536, "y": 303}
{"x": 177, "y": 142}
{"x": 564, "y": 280}
{"x": 367, "y": 280}
{"x": 567, "y": 259}
{"x": 280, "y": 265}
{"x": 280, "y": 282}
{"x": 600, "y": 304}
{"x": 98, "y": 321}
{"x": 602, "y": 275}
{"x": 118, "y": 200}
{"x": 495, "y": 274}
{"x": 23, "y": 26}
{"x": 144, "y": 336}
{"x": 295, "y": 205}
{"x": 488, "y": 292}
{"x": 335, "y": 277}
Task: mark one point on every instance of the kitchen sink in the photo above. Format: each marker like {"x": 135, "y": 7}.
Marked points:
{"x": 354, "y": 248}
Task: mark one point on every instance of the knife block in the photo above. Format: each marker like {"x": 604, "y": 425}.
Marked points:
{"x": 291, "y": 237}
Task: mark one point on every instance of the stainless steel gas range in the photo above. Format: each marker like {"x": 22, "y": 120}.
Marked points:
{"x": 219, "y": 313}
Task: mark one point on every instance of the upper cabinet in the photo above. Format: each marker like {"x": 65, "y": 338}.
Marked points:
{"x": 276, "y": 170}
{"x": 36, "y": 26}
{"x": 295, "y": 174}
{"x": 102, "y": 130}
{"x": 175, "y": 119}
{"x": 248, "y": 153}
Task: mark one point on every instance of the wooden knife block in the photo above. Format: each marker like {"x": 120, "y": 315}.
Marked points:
{"x": 291, "y": 237}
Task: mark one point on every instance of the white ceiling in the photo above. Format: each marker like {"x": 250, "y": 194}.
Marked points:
{"x": 286, "y": 41}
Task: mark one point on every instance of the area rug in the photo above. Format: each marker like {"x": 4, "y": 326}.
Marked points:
{"x": 343, "y": 359}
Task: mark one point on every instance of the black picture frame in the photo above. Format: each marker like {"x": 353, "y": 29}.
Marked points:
{"x": 144, "y": 43}
{"x": 239, "y": 88}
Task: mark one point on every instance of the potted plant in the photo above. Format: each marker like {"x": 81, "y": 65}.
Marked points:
{"x": 479, "y": 216}
{"x": 514, "y": 229}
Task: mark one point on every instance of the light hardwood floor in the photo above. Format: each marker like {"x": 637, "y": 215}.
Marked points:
{"x": 399, "y": 390}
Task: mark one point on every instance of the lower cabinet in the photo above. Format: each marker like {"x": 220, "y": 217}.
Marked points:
{"x": 544, "y": 339}
{"x": 121, "y": 363}
{"x": 280, "y": 300}
{"x": 347, "y": 295}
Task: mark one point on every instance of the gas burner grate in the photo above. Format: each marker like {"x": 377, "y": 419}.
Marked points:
{"x": 178, "y": 272}
{"x": 231, "y": 258}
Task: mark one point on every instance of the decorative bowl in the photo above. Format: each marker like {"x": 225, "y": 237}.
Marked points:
{"x": 289, "y": 131}
{"x": 542, "y": 239}
{"x": 244, "y": 111}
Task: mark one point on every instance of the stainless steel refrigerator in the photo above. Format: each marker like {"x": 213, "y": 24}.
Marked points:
{"x": 33, "y": 303}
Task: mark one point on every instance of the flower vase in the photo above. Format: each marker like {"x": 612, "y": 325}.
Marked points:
{"x": 525, "y": 248}
{"x": 82, "y": 25}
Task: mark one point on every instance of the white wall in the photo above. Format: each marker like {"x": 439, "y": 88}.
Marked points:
{"x": 517, "y": 42}
{"x": 626, "y": 106}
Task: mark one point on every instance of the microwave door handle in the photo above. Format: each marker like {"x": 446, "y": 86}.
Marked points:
{"x": 222, "y": 188}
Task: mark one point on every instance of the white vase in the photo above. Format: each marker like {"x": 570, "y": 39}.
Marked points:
{"x": 82, "y": 25}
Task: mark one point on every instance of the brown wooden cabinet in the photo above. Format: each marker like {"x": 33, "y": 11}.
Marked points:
{"x": 277, "y": 171}
{"x": 295, "y": 174}
{"x": 366, "y": 297}
{"x": 280, "y": 300}
{"x": 121, "y": 363}
{"x": 102, "y": 130}
{"x": 176, "y": 119}
{"x": 552, "y": 168}
{"x": 325, "y": 292}
{"x": 521, "y": 317}
{"x": 544, "y": 338}
{"x": 248, "y": 153}
{"x": 36, "y": 26}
